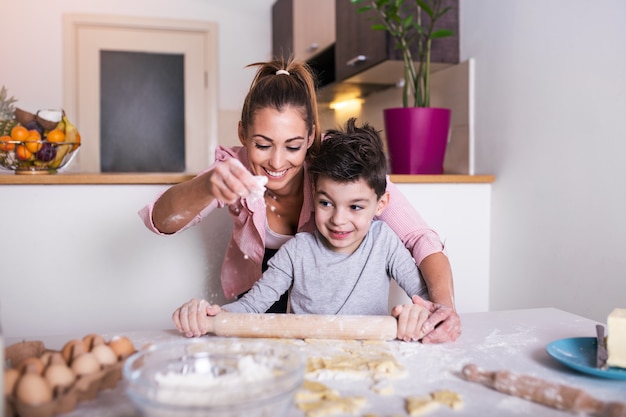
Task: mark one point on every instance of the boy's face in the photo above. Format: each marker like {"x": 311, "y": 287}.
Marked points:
{"x": 344, "y": 211}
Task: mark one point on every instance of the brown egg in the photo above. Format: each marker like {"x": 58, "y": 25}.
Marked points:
{"x": 55, "y": 358}
{"x": 32, "y": 389}
{"x": 85, "y": 364}
{"x": 59, "y": 375}
{"x": 104, "y": 354}
{"x": 122, "y": 346}
{"x": 31, "y": 365}
{"x": 92, "y": 340}
{"x": 68, "y": 349}
{"x": 46, "y": 355}
{"x": 11, "y": 376}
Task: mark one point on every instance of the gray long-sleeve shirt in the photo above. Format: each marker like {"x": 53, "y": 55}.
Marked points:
{"x": 327, "y": 282}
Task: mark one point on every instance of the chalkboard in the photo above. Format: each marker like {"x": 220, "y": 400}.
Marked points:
{"x": 142, "y": 112}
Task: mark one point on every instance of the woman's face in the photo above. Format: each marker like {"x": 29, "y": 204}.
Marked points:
{"x": 277, "y": 144}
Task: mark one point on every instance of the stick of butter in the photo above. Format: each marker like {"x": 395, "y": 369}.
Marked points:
{"x": 616, "y": 338}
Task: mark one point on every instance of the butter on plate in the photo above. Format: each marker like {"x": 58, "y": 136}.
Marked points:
{"x": 616, "y": 338}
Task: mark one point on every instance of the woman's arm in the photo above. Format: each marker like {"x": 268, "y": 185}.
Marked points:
{"x": 444, "y": 324}
{"x": 226, "y": 180}
{"x": 427, "y": 250}
{"x": 180, "y": 204}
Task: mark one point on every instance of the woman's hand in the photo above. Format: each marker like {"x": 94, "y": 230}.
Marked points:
{"x": 411, "y": 319}
{"x": 230, "y": 181}
{"x": 190, "y": 318}
{"x": 443, "y": 325}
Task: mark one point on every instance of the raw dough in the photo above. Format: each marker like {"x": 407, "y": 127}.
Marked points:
{"x": 317, "y": 400}
{"x": 359, "y": 359}
{"x": 420, "y": 405}
{"x": 449, "y": 398}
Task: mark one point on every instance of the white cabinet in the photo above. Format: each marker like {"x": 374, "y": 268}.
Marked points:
{"x": 85, "y": 247}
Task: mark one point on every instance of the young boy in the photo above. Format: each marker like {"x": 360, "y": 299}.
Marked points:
{"x": 345, "y": 267}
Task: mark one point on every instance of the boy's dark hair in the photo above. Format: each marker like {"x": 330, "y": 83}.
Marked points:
{"x": 351, "y": 154}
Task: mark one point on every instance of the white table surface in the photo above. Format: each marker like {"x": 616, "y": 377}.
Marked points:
{"x": 506, "y": 340}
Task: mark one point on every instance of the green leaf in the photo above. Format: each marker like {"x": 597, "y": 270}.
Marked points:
{"x": 442, "y": 12}
{"x": 408, "y": 21}
{"x": 426, "y": 7}
{"x": 441, "y": 33}
{"x": 363, "y": 9}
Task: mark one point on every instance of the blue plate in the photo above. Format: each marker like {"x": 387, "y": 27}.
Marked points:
{"x": 580, "y": 353}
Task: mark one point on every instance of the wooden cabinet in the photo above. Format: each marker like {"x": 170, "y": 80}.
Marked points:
{"x": 342, "y": 48}
{"x": 305, "y": 28}
{"x": 359, "y": 47}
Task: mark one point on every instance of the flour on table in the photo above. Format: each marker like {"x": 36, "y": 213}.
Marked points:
{"x": 511, "y": 343}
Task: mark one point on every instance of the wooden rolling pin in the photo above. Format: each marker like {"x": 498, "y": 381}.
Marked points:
{"x": 553, "y": 395}
{"x": 303, "y": 326}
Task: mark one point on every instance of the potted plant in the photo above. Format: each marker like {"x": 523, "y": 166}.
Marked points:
{"x": 416, "y": 133}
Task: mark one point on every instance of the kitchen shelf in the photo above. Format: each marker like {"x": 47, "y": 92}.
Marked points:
{"x": 168, "y": 178}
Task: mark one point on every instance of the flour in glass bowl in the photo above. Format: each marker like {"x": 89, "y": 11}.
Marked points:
{"x": 203, "y": 387}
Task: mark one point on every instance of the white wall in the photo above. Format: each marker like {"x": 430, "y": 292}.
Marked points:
{"x": 550, "y": 106}
{"x": 32, "y": 34}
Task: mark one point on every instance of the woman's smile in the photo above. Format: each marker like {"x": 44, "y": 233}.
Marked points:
{"x": 275, "y": 174}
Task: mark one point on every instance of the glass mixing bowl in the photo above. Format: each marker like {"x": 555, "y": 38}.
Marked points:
{"x": 213, "y": 376}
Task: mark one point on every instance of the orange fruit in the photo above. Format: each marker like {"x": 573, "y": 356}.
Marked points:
{"x": 33, "y": 141}
{"x": 19, "y": 133}
{"x": 23, "y": 153}
{"x": 77, "y": 144}
{"x": 55, "y": 136}
{"x": 4, "y": 145}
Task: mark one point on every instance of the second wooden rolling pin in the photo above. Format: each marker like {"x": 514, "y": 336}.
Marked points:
{"x": 303, "y": 326}
{"x": 559, "y": 396}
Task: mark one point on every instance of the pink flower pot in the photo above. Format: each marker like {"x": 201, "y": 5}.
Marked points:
{"x": 416, "y": 139}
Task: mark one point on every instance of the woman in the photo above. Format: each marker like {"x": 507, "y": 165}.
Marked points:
{"x": 279, "y": 131}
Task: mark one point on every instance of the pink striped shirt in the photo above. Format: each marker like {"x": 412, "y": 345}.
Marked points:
{"x": 241, "y": 267}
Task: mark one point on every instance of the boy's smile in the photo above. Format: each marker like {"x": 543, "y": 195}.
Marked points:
{"x": 344, "y": 211}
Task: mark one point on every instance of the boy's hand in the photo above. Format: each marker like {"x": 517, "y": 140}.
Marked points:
{"x": 190, "y": 318}
{"x": 411, "y": 318}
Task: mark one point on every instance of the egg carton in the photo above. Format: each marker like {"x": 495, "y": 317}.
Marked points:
{"x": 84, "y": 388}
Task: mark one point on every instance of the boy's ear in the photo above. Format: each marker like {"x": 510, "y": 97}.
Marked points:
{"x": 382, "y": 203}
{"x": 240, "y": 132}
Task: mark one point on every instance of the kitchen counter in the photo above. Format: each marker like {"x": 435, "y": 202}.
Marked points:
{"x": 8, "y": 178}
{"x": 507, "y": 340}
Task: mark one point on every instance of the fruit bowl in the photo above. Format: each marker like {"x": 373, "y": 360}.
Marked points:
{"x": 214, "y": 376}
{"x": 36, "y": 157}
